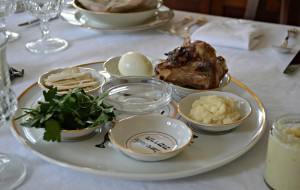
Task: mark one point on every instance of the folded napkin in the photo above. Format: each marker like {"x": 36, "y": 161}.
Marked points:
{"x": 234, "y": 33}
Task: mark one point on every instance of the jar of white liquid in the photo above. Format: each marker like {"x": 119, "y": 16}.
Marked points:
{"x": 282, "y": 169}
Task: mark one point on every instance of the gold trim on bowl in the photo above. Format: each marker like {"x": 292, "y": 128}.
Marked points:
{"x": 220, "y": 125}
{"x": 227, "y": 77}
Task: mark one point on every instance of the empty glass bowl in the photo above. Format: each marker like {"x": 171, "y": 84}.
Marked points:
{"x": 137, "y": 95}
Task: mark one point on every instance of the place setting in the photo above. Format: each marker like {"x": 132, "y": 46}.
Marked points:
{"x": 117, "y": 17}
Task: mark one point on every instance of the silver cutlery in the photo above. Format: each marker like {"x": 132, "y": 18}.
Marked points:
{"x": 177, "y": 25}
{"x": 34, "y": 21}
{"x": 294, "y": 64}
{"x": 186, "y": 30}
{"x": 69, "y": 4}
{"x": 284, "y": 48}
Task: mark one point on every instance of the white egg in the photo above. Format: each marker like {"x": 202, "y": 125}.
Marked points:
{"x": 135, "y": 64}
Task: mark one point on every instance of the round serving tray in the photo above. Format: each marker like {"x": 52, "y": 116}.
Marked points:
{"x": 207, "y": 152}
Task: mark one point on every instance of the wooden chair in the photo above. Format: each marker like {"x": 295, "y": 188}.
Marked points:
{"x": 276, "y": 11}
{"x": 284, "y": 11}
{"x": 256, "y": 9}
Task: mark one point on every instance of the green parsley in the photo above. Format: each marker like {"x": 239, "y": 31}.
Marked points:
{"x": 72, "y": 111}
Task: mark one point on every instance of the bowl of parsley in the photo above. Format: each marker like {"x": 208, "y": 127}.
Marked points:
{"x": 68, "y": 117}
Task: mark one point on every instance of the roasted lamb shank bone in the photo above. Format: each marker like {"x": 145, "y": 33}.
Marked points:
{"x": 194, "y": 65}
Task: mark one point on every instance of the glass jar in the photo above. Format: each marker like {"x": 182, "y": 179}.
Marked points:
{"x": 8, "y": 100}
{"x": 12, "y": 168}
{"x": 282, "y": 169}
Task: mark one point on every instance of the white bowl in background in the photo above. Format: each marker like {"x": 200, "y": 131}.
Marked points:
{"x": 150, "y": 137}
{"x": 242, "y": 105}
{"x": 116, "y": 19}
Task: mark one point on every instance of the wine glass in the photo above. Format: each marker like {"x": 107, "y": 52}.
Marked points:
{"x": 12, "y": 168}
{"x": 45, "y": 10}
{"x": 7, "y": 7}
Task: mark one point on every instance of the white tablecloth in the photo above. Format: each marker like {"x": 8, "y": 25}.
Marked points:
{"x": 260, "y": 69}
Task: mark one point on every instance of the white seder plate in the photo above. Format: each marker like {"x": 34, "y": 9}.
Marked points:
{"x": 74, "y": 17}
{"x": 208, "y": 152}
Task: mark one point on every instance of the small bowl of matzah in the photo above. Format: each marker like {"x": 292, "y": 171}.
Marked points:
{"x": 66, "y": 79}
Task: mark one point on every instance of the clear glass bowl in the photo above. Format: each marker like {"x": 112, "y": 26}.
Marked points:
{"x": 137, "y": 95}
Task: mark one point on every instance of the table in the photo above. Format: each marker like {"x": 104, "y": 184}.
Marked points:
{"x": 260, "y": 69}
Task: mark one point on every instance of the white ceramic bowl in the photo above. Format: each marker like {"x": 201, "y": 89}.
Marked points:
{"x": 242, "y": 105}
{"x": 100, "y": 79}
{"x": 111, "y": 65}
{"x": 137, "y": 95}
{"x": 183, "y": 91}
{"x": 70, "y": 135}
{"x": 79, "y": 134}
{"x": 150, "y": 137}
{"x": 116, "y": 19}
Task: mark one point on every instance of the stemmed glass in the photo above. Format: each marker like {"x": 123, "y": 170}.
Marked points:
{"x": 12, "y": 168}
{"x": 7, "y": 7}
{"x": 45, "y": 10}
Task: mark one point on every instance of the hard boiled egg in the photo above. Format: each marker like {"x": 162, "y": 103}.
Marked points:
{"x": 135, "y": 64}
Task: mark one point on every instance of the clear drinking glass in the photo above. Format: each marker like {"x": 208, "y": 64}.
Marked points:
{"x": 45, "y": 10}
{"x": 12, "y": 168}
{"x": 7, "y": 7}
